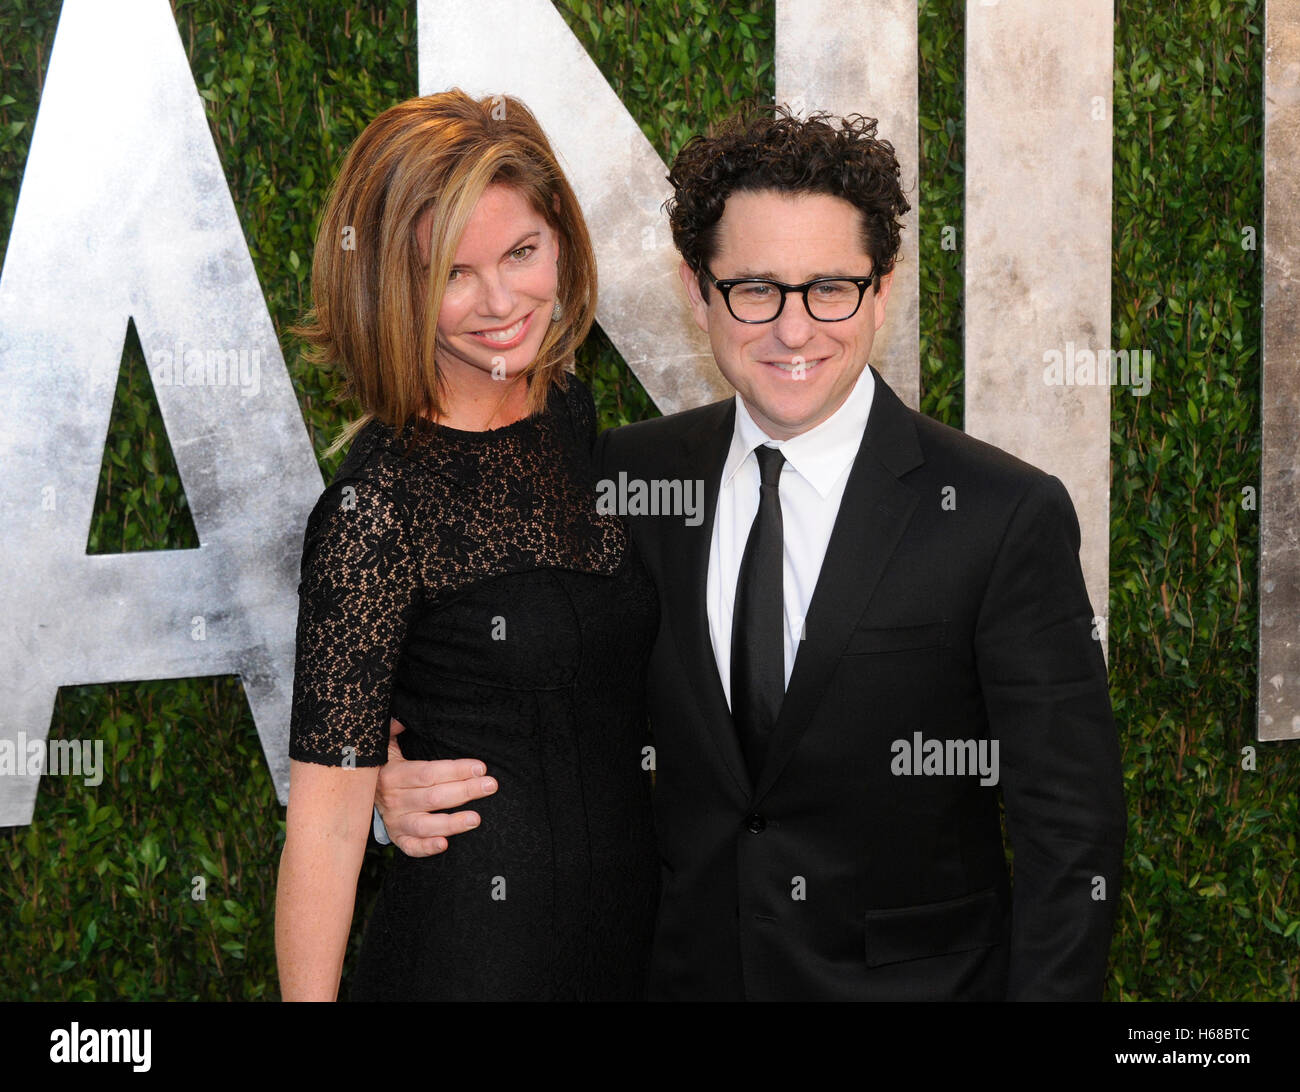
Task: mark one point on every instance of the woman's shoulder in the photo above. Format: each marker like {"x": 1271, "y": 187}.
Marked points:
{"x": 367, "y": 451}
{"x": 365, "y": 499}
{"x": 580, "y": 406}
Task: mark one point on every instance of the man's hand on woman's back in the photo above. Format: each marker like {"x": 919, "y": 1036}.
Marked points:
{"x": 413, "y": 798}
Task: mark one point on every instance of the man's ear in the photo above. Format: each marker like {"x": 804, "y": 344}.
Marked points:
{"x": 882, "y": 297}
{"x": 699, "y": 308}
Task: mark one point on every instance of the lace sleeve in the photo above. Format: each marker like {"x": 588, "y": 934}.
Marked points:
{"x": 359, "y": 590}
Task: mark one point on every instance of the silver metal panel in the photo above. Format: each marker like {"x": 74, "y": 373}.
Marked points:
{"x": 1279, "y": 496}
{"x": 124, "y": 212}
{"x": 1038, "y": 245}
{"x": 853, "y": 58}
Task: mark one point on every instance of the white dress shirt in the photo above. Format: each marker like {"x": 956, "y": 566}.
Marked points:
{"x": 817, "y": 465}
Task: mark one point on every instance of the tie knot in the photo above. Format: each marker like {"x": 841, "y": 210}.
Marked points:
{"x": 770, "y": 461}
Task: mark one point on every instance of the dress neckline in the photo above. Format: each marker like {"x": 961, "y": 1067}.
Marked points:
{"x": 427, "y": 432}
{"x": 430, "y": 428}
{"x": 433, "y": 428}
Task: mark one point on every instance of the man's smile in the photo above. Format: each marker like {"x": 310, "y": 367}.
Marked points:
{"x": 798, "y": 365}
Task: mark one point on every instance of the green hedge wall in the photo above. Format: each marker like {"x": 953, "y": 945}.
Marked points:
{"x": 100, "y": 886}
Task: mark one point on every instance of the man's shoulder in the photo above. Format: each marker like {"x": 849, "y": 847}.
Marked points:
{"x": 683, "y": 423}
{"x": 662, "y": 438}
{"x": 950, "y": 451}
{"x": 991, "y": 485}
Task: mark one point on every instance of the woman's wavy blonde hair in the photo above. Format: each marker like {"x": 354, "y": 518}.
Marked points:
{"x": 374, "y": 304}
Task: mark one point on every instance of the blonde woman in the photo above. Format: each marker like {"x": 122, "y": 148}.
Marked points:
{"x": 457, "y": 577}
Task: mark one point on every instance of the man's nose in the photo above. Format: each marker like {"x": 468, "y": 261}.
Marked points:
{"x": 794, "y": 325}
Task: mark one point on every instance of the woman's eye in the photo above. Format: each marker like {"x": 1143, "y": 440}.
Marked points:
{"x": 522, "y": 253}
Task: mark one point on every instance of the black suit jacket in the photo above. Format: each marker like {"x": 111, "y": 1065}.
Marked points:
{"x": 836, "y": 876}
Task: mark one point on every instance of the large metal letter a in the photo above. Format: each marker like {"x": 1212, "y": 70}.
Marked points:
{"x": 125, "y": 213}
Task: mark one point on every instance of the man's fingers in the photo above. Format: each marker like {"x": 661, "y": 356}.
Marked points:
{"x": 435, "y": 772}
{"x": 453, "y": 794}
{"x": 421, "y": 847}
{"x": 424, "y": 825}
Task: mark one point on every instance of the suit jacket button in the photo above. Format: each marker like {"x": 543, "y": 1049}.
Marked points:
{"x": 755, "y": 823}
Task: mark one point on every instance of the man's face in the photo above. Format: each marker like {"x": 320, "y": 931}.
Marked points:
{"x": 794, "y": 372}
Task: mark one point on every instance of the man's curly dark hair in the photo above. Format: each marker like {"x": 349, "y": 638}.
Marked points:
{"x": 772, "y": 149}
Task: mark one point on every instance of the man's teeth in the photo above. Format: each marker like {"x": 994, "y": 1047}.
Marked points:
{"x": 803, "y": 365}
{"x": 507, "y": 334}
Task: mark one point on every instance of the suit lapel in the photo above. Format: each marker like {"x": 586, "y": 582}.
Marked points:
{"x": 686, "y": 587}
{"x": 874, "y": 513}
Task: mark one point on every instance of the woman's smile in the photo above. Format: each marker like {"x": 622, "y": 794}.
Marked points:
{"x": 505, "y": 337}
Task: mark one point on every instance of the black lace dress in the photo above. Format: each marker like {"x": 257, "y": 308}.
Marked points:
{"x": 464, "y": 583}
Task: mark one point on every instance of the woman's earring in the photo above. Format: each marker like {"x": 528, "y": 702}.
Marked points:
{"x": 557, "y": 311}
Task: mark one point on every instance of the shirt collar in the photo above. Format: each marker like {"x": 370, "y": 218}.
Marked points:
{"x": 823, "y": 453}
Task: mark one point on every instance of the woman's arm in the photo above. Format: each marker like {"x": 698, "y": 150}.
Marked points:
{"x": 327, "y": 824}
{"x": 359, "y": 590}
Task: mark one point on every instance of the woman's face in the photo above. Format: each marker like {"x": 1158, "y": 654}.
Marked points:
{"x": 501, "y": 290}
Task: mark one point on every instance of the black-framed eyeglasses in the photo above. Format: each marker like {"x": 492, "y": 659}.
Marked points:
{"x": 827, "y": 299}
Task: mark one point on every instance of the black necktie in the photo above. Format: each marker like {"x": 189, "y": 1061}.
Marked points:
{"x": 757, "y": 624}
